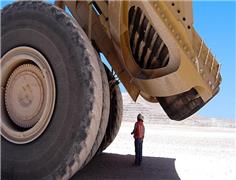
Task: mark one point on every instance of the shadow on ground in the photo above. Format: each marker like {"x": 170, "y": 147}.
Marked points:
{"x": 116, "y": 166}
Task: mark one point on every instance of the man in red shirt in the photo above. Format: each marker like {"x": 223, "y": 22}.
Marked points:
{"x": 138, "y": 133}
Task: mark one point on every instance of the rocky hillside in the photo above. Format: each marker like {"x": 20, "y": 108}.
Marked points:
{"x": 153, "y": 113}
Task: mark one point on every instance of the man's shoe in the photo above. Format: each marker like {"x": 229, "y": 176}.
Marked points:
{"x": 134, "y": 164}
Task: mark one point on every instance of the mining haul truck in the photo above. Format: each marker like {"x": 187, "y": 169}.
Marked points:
{"x": 60, "y": 105}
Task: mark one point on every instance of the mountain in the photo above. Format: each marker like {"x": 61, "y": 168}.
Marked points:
{"x": 153, "y": 113}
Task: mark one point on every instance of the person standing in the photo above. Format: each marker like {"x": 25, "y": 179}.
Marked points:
{"x": 138, "y": 134}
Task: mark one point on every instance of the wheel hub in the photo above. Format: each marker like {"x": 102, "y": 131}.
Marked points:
{"x": 24, "y": 95}
{"x": 28, "y": 85}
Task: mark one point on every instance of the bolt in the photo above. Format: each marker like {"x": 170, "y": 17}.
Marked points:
{"x": 177, "y": 36}
{"x": 155, "y": 5}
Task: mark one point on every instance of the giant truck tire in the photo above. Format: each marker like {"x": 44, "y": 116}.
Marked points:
{"x": 115, "y": 115}
{"x": 105, "y": 114}
{"x": 51, "y": 81}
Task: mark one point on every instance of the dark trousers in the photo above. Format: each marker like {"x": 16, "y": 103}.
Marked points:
{"x": 138, "y": 143}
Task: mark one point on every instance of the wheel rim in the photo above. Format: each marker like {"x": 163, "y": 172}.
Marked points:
{"x": 28, "y": 85}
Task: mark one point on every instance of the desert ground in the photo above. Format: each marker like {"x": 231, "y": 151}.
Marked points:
{"x": 195, "y": 149}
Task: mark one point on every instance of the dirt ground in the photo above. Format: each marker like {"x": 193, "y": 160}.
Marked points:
{"x": 169, "y": 153}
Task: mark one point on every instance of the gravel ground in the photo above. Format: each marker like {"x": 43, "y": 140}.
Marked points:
{"x": 169, "y": 152}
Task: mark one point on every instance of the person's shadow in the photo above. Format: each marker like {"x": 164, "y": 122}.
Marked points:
{"x": 116, "y": 166}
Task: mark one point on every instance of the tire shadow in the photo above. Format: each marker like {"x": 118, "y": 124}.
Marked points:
{"x": 116, "y": 166}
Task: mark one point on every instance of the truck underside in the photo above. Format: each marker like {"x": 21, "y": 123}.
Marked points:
{"x": 154, "y": 50}
{"x": 60, "y": 105}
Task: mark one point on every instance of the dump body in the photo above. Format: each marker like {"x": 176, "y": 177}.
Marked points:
{"x": 152, "y": 46}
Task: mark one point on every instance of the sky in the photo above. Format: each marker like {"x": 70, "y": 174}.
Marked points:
{"x": 215, "y": 22}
